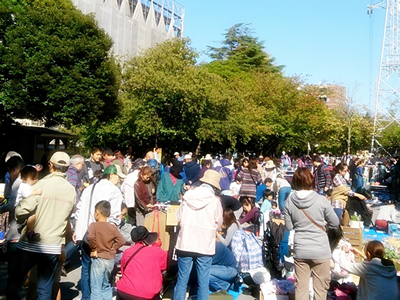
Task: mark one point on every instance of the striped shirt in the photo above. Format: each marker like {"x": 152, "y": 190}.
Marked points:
{"x": 249, "y": 183}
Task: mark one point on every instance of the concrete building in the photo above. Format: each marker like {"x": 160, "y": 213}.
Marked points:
{"x": 135, "y": 25}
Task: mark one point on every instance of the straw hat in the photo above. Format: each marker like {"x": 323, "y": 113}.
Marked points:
{"x": 208, "y": 157}
{"x": 212, "y": 178}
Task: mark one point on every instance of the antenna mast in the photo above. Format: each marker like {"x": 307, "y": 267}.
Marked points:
{"x": 388, "y": 85}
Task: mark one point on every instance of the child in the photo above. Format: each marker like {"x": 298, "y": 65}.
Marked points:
{"x": 268, "y": 196}
{"x": 275, "y": 213}
{"x": 235, "y": 187}
{"x": 104, "y": 240}
{"x": 29, "y": 176}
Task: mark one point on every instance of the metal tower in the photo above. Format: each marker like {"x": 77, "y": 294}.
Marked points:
{"x": 388, "y": 85}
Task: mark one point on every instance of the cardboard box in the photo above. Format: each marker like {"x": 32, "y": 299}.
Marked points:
{"x": 171, "y": 215}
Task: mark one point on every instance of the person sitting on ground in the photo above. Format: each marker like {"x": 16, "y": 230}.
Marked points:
{"x": 378, "y": 278}
{"x": 104, "y": 241}
{"x": 386, "y": 215}
{"x": 252, "y": 212}
{"x": 141, "y": 267}
{"x": 231, "y": 225}
{"x": 223, "y": 270}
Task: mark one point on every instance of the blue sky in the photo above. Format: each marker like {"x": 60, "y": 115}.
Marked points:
{"x": 322, "y": 41}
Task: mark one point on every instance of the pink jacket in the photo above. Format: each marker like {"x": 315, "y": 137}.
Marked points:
{"x": 200, "y": 215}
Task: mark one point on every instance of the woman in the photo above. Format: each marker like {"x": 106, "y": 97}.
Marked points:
{"x": 141, "y": 267}
{"x": 205, "y": 165}
{"x": 252, "y": 212}
{"x": 144, "y": 194}
{"x": 250, "y": 179}
{"x": 231, "y": 226}
{"x": 341, "y": 191}
{"x": 378, "y": 278}
{"x": 306, "y": 212}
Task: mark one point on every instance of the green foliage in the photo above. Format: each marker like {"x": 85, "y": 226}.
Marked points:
{"x": 55, "y": 65}
{"x": 244, "y": 50}
{"x": 391, "y": 254}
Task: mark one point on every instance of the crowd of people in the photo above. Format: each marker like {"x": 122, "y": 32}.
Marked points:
{"x": 98, "y": 207}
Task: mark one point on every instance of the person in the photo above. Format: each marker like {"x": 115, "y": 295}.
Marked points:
{"x": 206, "y": 164}
{"x": 93, "y": 164}
{"x": 110, "y": 159}
{"x": 200, "y": 216}
{"x": 387, "y": 214}
{"x": 76, "y": 164}
{"x": 170, "y": 187}
{"x": 231, "y": 225}
{"x": 177, "y": 156}
{"x": 144, "y": 194}
{"x": 233, "y": 204}
{"x": 105, "y": 189}
{"x": 378, "y": 278}
{"x": 156, "y": 167}
{"x": 53, "y": 210}
{"x": 104, "y": 241}
{"x": 235, "y": 187}
{"x": 284, "y": 188}
{"x": 269, "y": 170}
{"x": 341, "y": 191}
{"x": 252, "y": 212}
{"x": 322, "y": 176}
{"x": 306, "y": 212}
{"x": 141, "y": 267}
{"x": 285, "y": 160}
{"x": 268, "y": 196}
{"x": 226, "y": 172}
{"x": 250, "y": 179}
{"x": 192, "y": 170}
{"x": 358, "y": 178}
{"x": 223, "y": 269}
{"x": 29, "y": 176}
{"x": 128, "y": 189}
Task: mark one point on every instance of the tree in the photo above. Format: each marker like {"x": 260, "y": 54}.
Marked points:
{"x": 55, "y": 65}
{"x": 246, "y": 51}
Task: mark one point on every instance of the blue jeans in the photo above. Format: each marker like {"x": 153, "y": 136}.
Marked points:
{"x": 100, "y": 273}
{"x": 46, "y": 265}
{"x": 321, "y": 192}
{"x": 85, "y": 273}
{"x": 284, "y": 193}
{"x": 185, "y": 263}
{"x": 221, "y": 277}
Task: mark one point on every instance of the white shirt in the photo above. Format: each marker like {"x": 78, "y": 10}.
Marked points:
{"x": 24, "y": 191}
{"x": 104, "y": 190}
{"x": 128, "y": 190}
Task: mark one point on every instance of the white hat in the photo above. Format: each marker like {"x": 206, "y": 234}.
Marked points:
{"x": 11, "y": 154}
{"x": 188, "y": 156}
{"x": 270, "y": 164}
{"x": 208, "y": 157}
{"x": 176, "y": 153}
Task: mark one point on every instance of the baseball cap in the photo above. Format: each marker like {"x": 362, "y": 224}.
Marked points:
{"x": 114, "y": 169}
{"x": 60, "y": 159}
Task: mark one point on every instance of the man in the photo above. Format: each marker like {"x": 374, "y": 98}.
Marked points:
{"x": 76, "y": 164}
{"x": 223, "y": 270}
{"x": 199, "y": 215}
{"x": 322, "y": 176}
{"x": 192, "y": 170}
{"x": 226, "y": 173}
{"x": 52, "y": 210}
{"x": 105, "y": 189}
{"x": 177, "y": 156}
{"x": 171, "y": 185}
{"x": 92, "y": 165}
{"x": 157, "y": 168}
{"x": 110, "y": 159}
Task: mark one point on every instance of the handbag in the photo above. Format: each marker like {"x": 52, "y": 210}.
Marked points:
{"x": 156, "y": 214}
